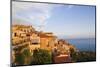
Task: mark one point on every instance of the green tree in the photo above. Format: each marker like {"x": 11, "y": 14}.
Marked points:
{"x": 85, "y": 56}
{"x": 20, "y": 58}
{"x": 23, "y": 56}
{"x": 73, "y": 54}
{"x": 26, "y": 52}
{"x": 41, "y": 56}
{"x": 27, "y": 55}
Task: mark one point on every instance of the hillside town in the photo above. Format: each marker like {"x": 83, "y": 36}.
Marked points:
{"x": 26, "y": 37}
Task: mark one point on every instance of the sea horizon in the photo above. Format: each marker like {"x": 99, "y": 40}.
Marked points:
{"x": 83, "y": 44}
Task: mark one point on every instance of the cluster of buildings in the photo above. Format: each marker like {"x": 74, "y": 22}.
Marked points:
{"x": 26, "y": 35}
{"x": 22, "y": 34}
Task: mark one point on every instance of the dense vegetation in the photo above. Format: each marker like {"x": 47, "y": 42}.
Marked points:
{"x": 86, "y": 56}
{"x": 73, "y": 54}
{"x": 41, "y": 56}
{"x": 23, "y": 57}
{"x": 83, "y": 56}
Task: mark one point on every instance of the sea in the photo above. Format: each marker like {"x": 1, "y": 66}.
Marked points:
{"x": 83, "y": 44}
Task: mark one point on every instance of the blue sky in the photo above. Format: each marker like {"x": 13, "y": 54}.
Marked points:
{"x": 69, "y": 21}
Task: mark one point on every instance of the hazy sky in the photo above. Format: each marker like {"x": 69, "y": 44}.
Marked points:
{"x": 70, "y": 21}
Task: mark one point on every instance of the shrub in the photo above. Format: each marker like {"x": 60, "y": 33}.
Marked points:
{"x": 20, "y": 58}
{"x": 41, "y": 56}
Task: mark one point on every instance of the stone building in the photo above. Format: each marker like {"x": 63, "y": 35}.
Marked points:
{"x": 47, "y": 41}
{"x": 34, "y": 41}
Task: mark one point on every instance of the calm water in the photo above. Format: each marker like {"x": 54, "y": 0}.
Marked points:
{"x": 86, "y": 44}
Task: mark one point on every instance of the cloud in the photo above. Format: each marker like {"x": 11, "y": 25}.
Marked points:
{"x": 35, "y": 14}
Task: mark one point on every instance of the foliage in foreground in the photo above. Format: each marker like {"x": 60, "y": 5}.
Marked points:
{"x": 23, "y": 57}
{"x": 86, "y": 56}
{"x": 82, "y": 56}
{"x": 41, "y": 56}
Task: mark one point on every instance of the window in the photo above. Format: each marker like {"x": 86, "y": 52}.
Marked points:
{"x": 48, "y": 45}
{"x": 15, "y": 34}
{"x": 35, "y": 41}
